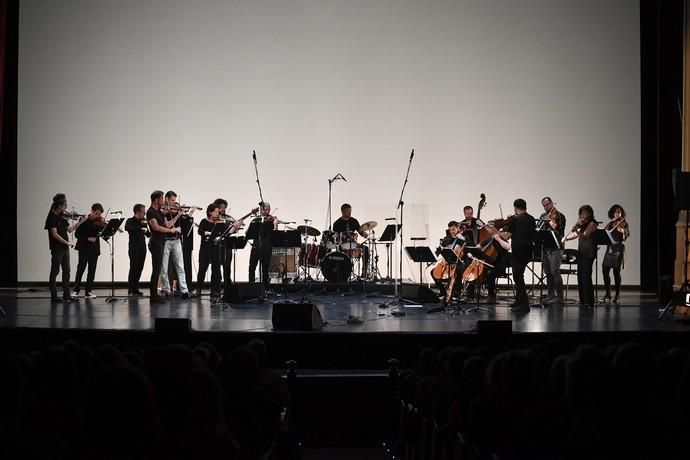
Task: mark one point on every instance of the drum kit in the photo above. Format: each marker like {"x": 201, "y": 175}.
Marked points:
{"x": 338, "y": 256}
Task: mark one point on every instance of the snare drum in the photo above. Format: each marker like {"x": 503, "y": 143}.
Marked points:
{"x": 348, "y": 240}
{"x": 329, "y": 239}
{"x": 336, "y": 267}
{"x": 314, "y": 254}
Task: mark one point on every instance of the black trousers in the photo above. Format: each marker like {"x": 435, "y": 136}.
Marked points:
{"x": 607, "y": 279}
{"x": 137, "y": 257}
{"x": 59, "y": 260}
{"x": 228, "y": 286}
{"x": 262, "y": 254}
{"x": 584, "y": 279}
{"x": 156, "y": 247}
{"x": 90, "y": 260}
{"x": 208, "y": 257}
{"x": 519, "y": 262}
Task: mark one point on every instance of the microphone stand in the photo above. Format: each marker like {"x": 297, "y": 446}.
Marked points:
{"x": 262, "y": 296}
{"x": 330, "y": 206}
{"x": 399, "y": 301}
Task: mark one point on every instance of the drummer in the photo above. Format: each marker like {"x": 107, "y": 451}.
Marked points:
{"x": 348, "y": 224}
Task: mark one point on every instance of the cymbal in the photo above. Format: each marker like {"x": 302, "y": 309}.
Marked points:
{"x": 311, "y": 231}
{"x": 366, "y": 226}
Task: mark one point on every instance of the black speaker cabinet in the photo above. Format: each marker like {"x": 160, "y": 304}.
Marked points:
{"x": 296, "y": 317}
{"x": 241, "y": 292}
{"x": 173, "y": 325}
{"x": 418, "y": 293}
{"x": 495, "y": 328}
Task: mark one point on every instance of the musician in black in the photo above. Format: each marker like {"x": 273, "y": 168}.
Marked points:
{"x": 160, "y": 228}
{"x": 89, "y": 248}
{"x": 210, "y": 228}
{"x": 586, "y": 252}
{"x": 348, "y": 224}
{"x": 58, "y": 227}
{"x": 614, "y": 258}
{"x": 187, "y": 232}
{"x": 469, "y": 226}
{"x": 551, "y": 228}
{"x": 138, "y": 231}
{"x": 521, "y": 233}
{"x": 221, "y": 250}
{"x": 451, "y": 240}
{"x": 261, "y": 230}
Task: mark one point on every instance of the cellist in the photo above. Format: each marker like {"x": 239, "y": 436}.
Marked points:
{"x": 441, "y": 271}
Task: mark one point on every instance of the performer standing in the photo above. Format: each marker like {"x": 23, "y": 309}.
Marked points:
{"x": 348, "y": 224}
{"x": 586, "y": 252}
{"x": 261, "y": 228}
{"x": 160, "y": 228}
{"x": 89, "y": 248}
{"x": 552, "y": 230}
{"x": 137, "y": 229}
{"x": 521, "y": 232}
{"x": 614, "y": 259}
{"x": 172, "y": 252}
{"x": 210, "y": 228}
{"x": 58, "y": 227}
{"x": 187, "y": 232}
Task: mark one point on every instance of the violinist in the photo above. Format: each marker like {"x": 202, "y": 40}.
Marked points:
{"x": 88, "y": 246}
{"x": 209, "y": 229}
{"x": 468, "y": 225}
{"x": 614, "y": 259}
{"x": 137, "y": 228}
{"x": 220, "y": 251}
{"x": 586, "y": 252}
{"x": 172, "y": 252}
{"x": 160, "y": 228}
{"x": 58, "y": 227}
{"x": 261, "y": 230}
{"x": 551, "y": 228}
{"x": 521, "y": 233}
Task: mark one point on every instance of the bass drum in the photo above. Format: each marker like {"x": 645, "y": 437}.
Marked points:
{"x": 336, "y": 267}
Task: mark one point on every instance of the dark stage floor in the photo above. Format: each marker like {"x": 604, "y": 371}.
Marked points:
{"x": 31, "y": 309}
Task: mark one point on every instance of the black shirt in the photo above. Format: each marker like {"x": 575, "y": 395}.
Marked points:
{"x": 469, "y": 226}
{"x": 155, "y": 214}
{"x": 214, "y": 230}
{"x": 137, "y": 233}
{"x": 349, "y": 225}
{"x": 559, "y": 232}
{"x": 87, "y": 230}
{"x": 59, "y": 223}
{"x": 522, "y": 230}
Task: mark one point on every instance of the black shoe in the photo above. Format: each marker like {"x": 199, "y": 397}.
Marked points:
{"x": 69, "y": 299}
{"x": 138, "y": 293}
{"x": 186, "y": 295}
{"x": 158, "y": 300}
{"x": 55, "y": 299}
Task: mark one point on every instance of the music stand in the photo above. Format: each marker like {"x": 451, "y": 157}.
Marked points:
{"x": 388, "y": 237}
{"x": 108, "y": 234}
{"x": 599, "y": 238}
{"x": 420, "y": 255}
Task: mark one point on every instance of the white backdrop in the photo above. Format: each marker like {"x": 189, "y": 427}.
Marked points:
{"x": 529, "y": 98}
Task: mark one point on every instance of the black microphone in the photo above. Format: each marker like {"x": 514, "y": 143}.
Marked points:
{"x": 254, "y": 154}
{"x": 343, "y": 178}
{"x": 412, "y": 154}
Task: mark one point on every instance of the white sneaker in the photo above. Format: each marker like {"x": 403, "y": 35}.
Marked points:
{"x": 89, "y": 295}
{"x": 75, "y": 295}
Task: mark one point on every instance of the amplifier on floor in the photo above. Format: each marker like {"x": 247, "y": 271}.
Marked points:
{"x": 242, "y": 292}
{"x": 495, "y": 328}
{"x": 173, "y": 325}
{"x": 296, "y": 317}
{"x": 418, "y": 293}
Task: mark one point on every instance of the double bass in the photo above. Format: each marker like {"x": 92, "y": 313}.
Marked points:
{"x": 476, "y": 271}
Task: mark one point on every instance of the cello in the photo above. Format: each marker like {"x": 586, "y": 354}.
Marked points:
{"x": 476, "y": 271}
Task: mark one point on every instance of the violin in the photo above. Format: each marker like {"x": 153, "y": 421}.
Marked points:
{"x": 98, "y": 222}
{"x": 621, "y": 225}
